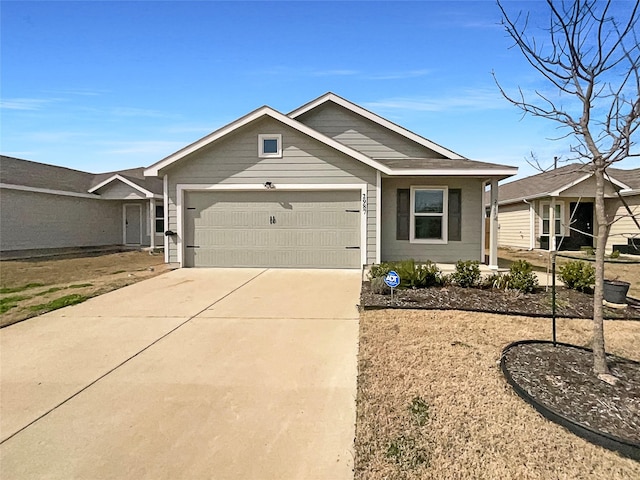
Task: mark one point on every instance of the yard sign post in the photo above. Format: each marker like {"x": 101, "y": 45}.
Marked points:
{"x": 392, "y": 280}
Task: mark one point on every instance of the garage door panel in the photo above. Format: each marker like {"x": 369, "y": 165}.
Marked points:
{"x": 265, "y": 229}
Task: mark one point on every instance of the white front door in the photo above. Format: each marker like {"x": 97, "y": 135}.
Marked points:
{"x": 132, "y": 225}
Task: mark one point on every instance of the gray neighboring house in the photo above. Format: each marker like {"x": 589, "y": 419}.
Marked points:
{"x": 555, "y": 210}
{"x": 46, "y": 206}
{"x": 329, "y": 185}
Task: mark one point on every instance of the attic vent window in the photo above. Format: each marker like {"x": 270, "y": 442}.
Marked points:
{"x": 270, "y": 146}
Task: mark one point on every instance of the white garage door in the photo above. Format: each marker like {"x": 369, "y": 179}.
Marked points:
{"x": 313, "y": 229}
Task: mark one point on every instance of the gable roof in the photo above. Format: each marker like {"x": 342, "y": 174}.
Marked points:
{"x": 36, "y": 176}
{"x": 149, "y": 186}
{"x": 261, "y": 112}
{"x": 453, "y": 165}
{"x": 363, "y": 112}
{"x": 553, "y": 182}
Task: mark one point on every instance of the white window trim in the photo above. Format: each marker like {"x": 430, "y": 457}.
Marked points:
{"x": 544, "y": 207}
{"x": 269, "y": 136}
{"x": 444, "y": 216}
{"x": 156, "y": 218}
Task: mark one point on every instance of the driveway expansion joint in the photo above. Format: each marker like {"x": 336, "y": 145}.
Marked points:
{"x": 127, "y": 360}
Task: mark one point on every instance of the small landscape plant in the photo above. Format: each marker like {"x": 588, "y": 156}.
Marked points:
{"x": 496, "y": 280}
{"x": 578, "y": 275}
{"x": 412, "y": 274}
{"x": 521, "y": 277}
{"x": 467, "y": 273}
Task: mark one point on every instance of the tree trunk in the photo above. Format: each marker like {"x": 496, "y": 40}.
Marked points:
{"x": 599, "y": 357}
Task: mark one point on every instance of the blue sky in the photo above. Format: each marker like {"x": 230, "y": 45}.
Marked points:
{"x": 102, "y": 86}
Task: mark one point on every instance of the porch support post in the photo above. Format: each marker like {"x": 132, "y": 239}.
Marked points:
{"x": 152, "y": 223}
{"x": 493, "y": 226}
{"x": 552, "y": 225}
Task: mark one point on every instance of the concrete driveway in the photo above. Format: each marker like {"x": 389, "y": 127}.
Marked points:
{"x": 198, "y": 373}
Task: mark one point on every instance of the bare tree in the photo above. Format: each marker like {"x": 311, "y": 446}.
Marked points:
{"x": 589, "y": 57}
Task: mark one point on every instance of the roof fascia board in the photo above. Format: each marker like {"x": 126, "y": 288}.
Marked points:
{"x": 376, "y": 119}
{"x": 455, "y": 173}
{"x": 134, "y": 185}
{"x": 618, "y": 183}
{"x": 49, "y": 191}
{"x": 154, "y": 169}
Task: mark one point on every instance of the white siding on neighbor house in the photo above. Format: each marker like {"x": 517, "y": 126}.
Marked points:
{"x": 234, "y": 160}
{"x": 362, "y": 134}
{"x": 469, "y": 248}
{"x": 32, "y": 220}
{"x": 625, "y": 228}
{"x": 514, "y": 225}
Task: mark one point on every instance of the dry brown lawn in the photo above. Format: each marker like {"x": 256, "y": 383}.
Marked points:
{"x": 433, "y": 404}
{"x": 85, "y": 276}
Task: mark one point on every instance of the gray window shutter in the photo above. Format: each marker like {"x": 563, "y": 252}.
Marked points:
{"x": 403, "y": 214}
{"x": 455, "y": 215}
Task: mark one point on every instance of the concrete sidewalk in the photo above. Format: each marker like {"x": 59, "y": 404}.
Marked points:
{"x": 242, "y": 373}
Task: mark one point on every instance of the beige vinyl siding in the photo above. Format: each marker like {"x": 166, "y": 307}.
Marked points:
{"x": 234, "y": 160}
{"x": 625, "y": 228}
{"x": 362, "y": 134}
{"x": 514, "y": 225}
{"x": 469, "y": 248}
{"x": 587, "y": 189}
{"x": 32, "y": 220}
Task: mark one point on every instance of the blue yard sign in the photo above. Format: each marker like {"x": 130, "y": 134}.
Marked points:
{"x": 392, "y": 279}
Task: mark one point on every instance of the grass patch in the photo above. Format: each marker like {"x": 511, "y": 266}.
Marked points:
{"x": 8, "y": 303}
{"x": 419, "y": 411}
{"x": 81, "y": 285}
{"x": 52, "y": 290}
{"x": 59, "y": 303}
{"x": 20, "y": 289}
{"x": 117, "y": 272}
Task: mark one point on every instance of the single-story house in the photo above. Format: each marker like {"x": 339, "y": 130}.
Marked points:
{"x": 554, "y": 210}
{"x": 329, "y": 184}
{"x": 46, "y": 207}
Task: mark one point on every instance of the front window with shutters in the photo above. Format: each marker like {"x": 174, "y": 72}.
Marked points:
{"x": 428, "y": 215}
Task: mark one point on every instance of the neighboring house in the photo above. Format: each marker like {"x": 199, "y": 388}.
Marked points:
{"x": 45, "y": 206}
{"x": 328, "y": 185}
{"x": 555, "y": 210}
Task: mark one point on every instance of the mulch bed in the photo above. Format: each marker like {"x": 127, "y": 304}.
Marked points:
{"x": 559, "y": 378}
{"x": 569, "y": 303}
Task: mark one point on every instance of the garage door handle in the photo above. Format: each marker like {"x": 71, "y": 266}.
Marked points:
{"x": 352, "y": 211}
{"x": 352, "y": 248}
{"x": 193, "y": 246}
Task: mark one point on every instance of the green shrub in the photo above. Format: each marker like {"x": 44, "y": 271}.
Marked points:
{"x": 578, "y": 275}
{"x": 379, "y": 287}
{"x": 412, "y": 274}
{"x": 496, "y": 280}
{"x": 521, "y": 277}
{"x": 615, "y": 254}
{"x": 415, "y": 275}
{"x": 467, "y": 274}
{"x": 380, "y": 270}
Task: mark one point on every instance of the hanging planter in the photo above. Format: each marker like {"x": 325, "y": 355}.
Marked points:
{"x": 615, "y": 291}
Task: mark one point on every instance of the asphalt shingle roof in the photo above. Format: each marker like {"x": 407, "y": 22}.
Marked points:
{"x": 544, "y": 183}
{"x": 15, "y": 171}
